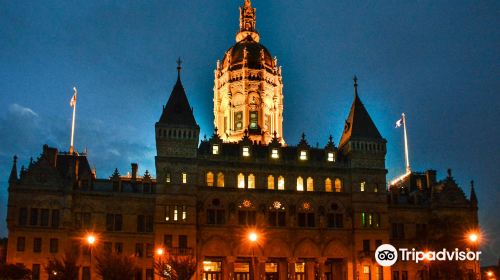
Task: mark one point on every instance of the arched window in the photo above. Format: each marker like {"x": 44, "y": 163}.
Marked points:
{"x": 210, "y": 179}
{"x": 247, "y": 213}
{"x": 277, "y": 214}
{"x": 328, "y": 185}
{"x": 270, "y": 182}
{"x": 305, "y": 217}
{"x": 334, "y": 217}
{"x": 281, "y": 183}
{"x": 338, "y": 185}
{"x": 251, "y": 181}
{"x": 310, "y": 184}
{"x": 300, "y": 184}
{"x": 241, "y": 181}
{"x": 220, "y": 179}
{"x": 216, "y": 215}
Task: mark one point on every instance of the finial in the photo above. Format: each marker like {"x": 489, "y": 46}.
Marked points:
{"x": 355, "y": 79}
{"x": 275, "y": 134}
{"x": 449, "y": 172}
{"x": 179, "y": 63}
{"x": 15, "y": 159}
{"x": 303, "y": 136}
{"x": 248, "y": 3}
{"x": 330, "y": 138}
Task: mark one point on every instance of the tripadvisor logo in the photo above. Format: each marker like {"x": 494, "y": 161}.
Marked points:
{"x": 387, "y": 255}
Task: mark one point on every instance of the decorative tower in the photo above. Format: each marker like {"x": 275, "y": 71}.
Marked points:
{"x": 248, "y": 87}
{"x": 177, "y": 131}
{"x": 361, "y": 141}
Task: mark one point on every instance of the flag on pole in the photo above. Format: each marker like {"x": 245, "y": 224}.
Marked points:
{"x": 72, "y": 102}
{"x": 399, "y": 123}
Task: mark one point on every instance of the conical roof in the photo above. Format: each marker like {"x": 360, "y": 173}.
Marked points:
{"x": 178, "y": 111}
{"x": 359, "y": 125}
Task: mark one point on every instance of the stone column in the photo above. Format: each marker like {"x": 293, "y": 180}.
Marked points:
{"x": 291, "y": 268}
{"x": 321, "y": 268}
{"x": 228, "y": 269}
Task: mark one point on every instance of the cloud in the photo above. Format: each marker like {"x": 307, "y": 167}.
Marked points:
{"x": 22, "y": 111}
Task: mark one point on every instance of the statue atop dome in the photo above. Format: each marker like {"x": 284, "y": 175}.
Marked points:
{"x": 247, "y": 23}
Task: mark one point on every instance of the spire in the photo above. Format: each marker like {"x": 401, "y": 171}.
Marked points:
{"x": 473, "y": 197}
{"x": 359, "y": 124}
{"x": 178, "y": 111}
{"x": 247, "y": 22}
{"x": 13, "y": 172}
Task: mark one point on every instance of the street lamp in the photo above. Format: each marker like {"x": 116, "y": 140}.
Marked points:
{"x": 91, "y": 239}
{"x": 474, "y": 237}
{"x": 252, "y": 236}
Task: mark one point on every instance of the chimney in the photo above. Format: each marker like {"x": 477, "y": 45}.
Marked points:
{"x": 135, "y": 167}
{"x": 431, "y": 177}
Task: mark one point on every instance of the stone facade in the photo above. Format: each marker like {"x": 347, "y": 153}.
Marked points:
{"x": 318, "y": 213}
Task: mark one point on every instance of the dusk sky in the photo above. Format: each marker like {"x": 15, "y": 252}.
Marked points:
{"x": 437, "y": 61}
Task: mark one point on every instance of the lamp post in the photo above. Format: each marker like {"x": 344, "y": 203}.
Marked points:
{"x": 90, "y": 241}
{"x": 473, "y": 238}
{"x": 252, "y": 236}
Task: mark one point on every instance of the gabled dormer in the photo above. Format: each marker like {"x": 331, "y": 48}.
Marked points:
{"x": 177, "y": 131}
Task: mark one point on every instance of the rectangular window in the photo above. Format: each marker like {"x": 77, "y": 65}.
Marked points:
{"x": 54, "y": 245}
{"x": 55, "y": 219}
{"x": 110, "y": 222}
{"x": 380, "y": 273}
{"x": 176, "y": 213}
{"x": 335, "y": 220}
{"x": 274, "y": 153}
{"x": 149, "y": 223}
{"x": 238, "y": 120}
{"x": 404, "y": 275}
{"x": 398, "y": 231}
{"x": 331, "y": 157}
{"x": 21, "y": 244}
{"x": 44, "y": 217}
{"x": 167, "y": 213}
{"x": 366, "y": 245}
{"x": 215, "y": 149}
{"x": 184, "y": 213}
{"x": 183, "y": 241}
{"x": 149, "y": 274}
{"x": 254, "y": 120}
{"x": 138, "y": 274}
{"x": 141, "y": 223}
{"x": 37, "y": 245}
{"x": 139, "y": 250}
{"x": 246, "y": 218}
{"x": 167, "y": 241}
{"x": 23, "y": 216}
{"x": 34, "y": 217}
{"x": 149, "y": 250}
{"x": 167, "y": 177}
{"x": 118, "y": 222}
{"x": 35, "y": 272}
{"x": 86, "y": 273}
{"x": 395, "y": 275}
{"x": 362, "y": 186}
{"x": 246, "y": 151}
{"x": 184, "y": 178}
{"x": 118, "y": 247}
{"x": 303, "y": 155}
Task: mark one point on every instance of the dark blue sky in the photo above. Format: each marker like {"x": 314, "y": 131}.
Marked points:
{"x": 438, "y": 61}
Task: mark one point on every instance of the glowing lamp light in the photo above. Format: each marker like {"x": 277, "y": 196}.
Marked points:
{"x": 160, "y": 251}
{"x": 489, "y": 273}
{"x": 90, "y": 239}
{"x": 252, "y": 236}
{"x": 473, "y": 237}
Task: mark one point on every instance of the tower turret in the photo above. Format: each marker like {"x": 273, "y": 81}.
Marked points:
{"x": 177, "y": 131}
{"x": 13, "y": 171}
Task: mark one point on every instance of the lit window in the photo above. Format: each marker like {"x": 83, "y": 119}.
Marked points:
{"x": 246, "y": 151}
{"x": 184, "y": 178}
{"x": 362, "y": 186}
{"x": 338, "y": 185}
{"x": 251, "y": 181}
{"x": 270, "y": 182}
{"x": 210, "y": 179}
{"x": 375, "y": 189}
{"x": 330, "y": 157}
{"x": 310, "y": 184}
{"x": 215, "y": 149}
{"x": 220, "y": 179}
{"x": 176, "y": 213}
{"x": 303, "y": 155}
{"x": 167, "y": 177}
{"x": 167, "y": 213}
{"x": 254, "y": 120}
{"x": 241, "y": 181}
{"x": 300, "y": 184}
{"x": 281, "y": 183}
{"x": 274, "y": 153}
{"x": 184, "y": 213}
{"x": 328, "y": 185}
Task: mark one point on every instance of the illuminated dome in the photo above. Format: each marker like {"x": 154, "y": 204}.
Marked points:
{"x": 256, "y": 56}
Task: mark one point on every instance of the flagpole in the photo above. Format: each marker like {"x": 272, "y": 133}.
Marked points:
{"x": 71, "y": 148}
{"x": 407, "y": 157}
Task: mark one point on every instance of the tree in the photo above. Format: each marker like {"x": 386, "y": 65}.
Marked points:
{"x": 65, "y": 269}
{"x": 176, "y": 267}
{"x": 14, "y": 272}
{"x": 111, "y": 266}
